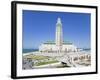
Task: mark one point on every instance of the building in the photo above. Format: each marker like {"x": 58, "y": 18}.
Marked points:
{"x": 56, "y": 50}
{"x": 59, "y": 45}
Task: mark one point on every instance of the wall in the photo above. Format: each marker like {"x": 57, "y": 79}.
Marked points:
{"x": 5, "y": 40}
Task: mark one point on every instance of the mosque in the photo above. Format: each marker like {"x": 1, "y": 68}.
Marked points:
{"x": 59, "y": 45}
{"x": 59, "y": 48}
{"x": 65, "y": 52}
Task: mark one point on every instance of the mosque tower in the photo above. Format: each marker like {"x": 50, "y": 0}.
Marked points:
{"x": 59, "y": 35}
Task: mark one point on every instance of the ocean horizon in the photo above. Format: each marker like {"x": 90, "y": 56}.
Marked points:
{"x": 29, "y": 50}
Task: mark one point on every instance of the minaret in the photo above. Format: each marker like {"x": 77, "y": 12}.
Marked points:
{"x": 59, "y": 35}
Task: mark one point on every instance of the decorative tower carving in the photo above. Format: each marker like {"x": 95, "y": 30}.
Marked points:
{"x": 59, "y": 35}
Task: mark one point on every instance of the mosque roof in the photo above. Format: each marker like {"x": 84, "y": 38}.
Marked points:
{"x": 52, "y": 42}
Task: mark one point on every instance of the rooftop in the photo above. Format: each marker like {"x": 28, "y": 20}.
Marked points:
{"x": 52, "y": 42}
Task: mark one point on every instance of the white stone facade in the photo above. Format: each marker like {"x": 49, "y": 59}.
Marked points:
{"x": 54, "y": 48}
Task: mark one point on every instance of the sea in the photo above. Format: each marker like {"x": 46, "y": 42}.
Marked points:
{"x": 29, "y": 50}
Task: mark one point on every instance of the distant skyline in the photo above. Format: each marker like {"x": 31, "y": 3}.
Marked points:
{"x": 40, "y": 26}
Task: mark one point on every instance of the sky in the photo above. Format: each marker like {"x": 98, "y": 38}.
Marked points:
{"x": 40, "y": 26}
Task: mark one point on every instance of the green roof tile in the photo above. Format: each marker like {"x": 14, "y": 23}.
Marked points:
{"x": 52, "y": 42}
